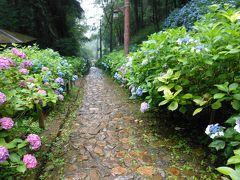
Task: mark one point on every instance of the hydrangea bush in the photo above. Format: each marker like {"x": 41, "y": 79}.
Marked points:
{"x": 190, "y": 71}
{"x": 30, "y": 76}
{"x": 192, "y": 12}
{"x": 13, "y": 150}
{"x": 30, "y": 79}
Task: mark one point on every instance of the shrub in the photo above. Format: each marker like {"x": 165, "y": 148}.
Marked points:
{"x": 30, "y": 79}
{"x": 192, "y": 12}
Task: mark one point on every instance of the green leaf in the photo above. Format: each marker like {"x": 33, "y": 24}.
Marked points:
{"x": 234, "y": 143}
{"x": 167, "y": 94}
{"x": 218, "y": 96}
{"x": 183, "y": 109}
{"x": 22, "y": 144}
{"x": 229, "y": 133}
{"x": 217, "y": 144}
{"x": 21, "y": 168}
{"x": 235, "y": 104}
{"x": 232, "y": 120}
{"x": 223, "y": 87}
{"x": 198, "y": 110}
{"x": 234, "y": 160}
{"x": 163, "y": 102}
{"x": 233, "y": 86}
{"x": 187, "y": 96}
{"x": 225, "y": 170}
{"x": 14, "y": 157}
{"x": 236, "y": 96}
{"x": 173, "y": 106}
{"x": 216, "y": 105}
{"x": 237, "y": 152}
{"x": 162, "y": 88}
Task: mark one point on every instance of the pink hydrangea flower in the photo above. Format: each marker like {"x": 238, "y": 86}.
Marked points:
{"x": 3, "y": 98}
{"x": 30, "y": 161}
{"x": 4, "y": 154}
{"x": 144, "y": 107}
{"x": 24, "y": 71}
{"x": 59, "y": 81}
{"x": 34, "y": 140}
{"x": 45, "y": 68}
{"x": 6, "y": 63}
{"x": 6, "y": 123}
{"x": 26, "y": 64}
{"x": 18, "y": 53}
{"x": 60, "y": 97}
{"x": 42, "y": 92}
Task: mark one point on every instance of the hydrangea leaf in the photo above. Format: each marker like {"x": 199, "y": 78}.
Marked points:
{"x": 198, "y": 110}
{"x": 217, "y": 144}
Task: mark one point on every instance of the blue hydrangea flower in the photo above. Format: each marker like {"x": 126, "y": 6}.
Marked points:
{"x": 139, "y": 91}
{"x": 49, "y": 73}
{"x": 45, "y": 80}
{"x": 116, "y": 76}
{"x": 61, "y": 89}
{"x": 214, "y": 130}
{"x": 60, "y": 74}
{"x": 75, "y": 77}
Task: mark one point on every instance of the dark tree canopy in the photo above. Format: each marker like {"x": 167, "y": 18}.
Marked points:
{"x": 54, "y": 23}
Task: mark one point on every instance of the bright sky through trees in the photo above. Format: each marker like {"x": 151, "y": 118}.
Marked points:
{"x": 92, "y": 13}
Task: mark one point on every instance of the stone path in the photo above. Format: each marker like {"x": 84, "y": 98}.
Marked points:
{"x": 109, "y": 142}
{"x": 100, "y": 144}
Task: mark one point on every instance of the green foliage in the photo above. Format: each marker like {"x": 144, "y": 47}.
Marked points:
{"x": 113, "y": 61}
{"x": 81, "y": 66}
{"x": 233, "y": 160}
{"x": 191, "y": 71}
{"x": 184, "y": 70}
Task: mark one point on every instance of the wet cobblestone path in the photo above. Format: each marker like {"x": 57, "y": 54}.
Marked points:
{"x": 105, "y": 142}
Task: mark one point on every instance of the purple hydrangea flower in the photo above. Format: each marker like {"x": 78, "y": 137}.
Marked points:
{"x": 26, "y": 64}
{"x": 60, "y": 97}
{"x": 6, "y": 123}
{"x": 4, "y": 154}
{"x": 59, "y": 81}
{"x": 18, "y": 53}
{"x": 237, "y": 126}
{"x": 144, "y": 107}
{"x": 34, "y": 140}
{"x": 31, "y": 80}
{"x": 24, "y": 71}
{"x": 23, "y": 83}
{"x": 3, "y": 98}
{"x": 5, "y": 63}
{"x": 57, "y": 92}
{"x": 42, "y": 92}
{"x": 30, "y": 161}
